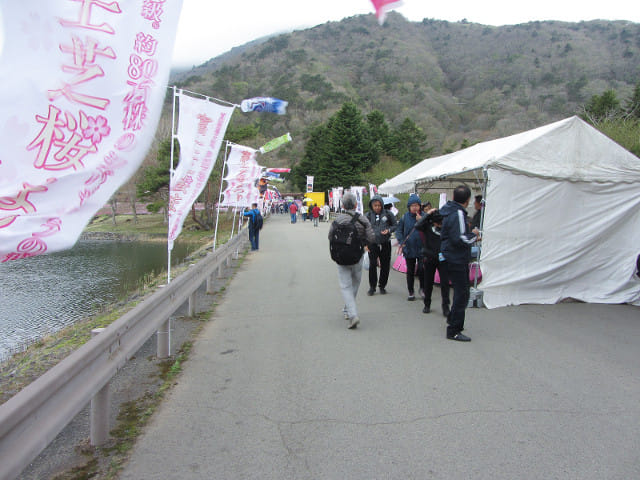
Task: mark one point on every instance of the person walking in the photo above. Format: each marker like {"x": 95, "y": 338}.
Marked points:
{"x": 384, "y": 224}
{"x": 456, "y": 240}
{"x": 293, "y": 210}
{"x": 349, "y": 235}
{"x": 255, "y": 225}
{"x": 410, "y": 242}
{"x": 430, "y": 227}
{"x": 315, "y": 214}
{"x": 303, "y": 212}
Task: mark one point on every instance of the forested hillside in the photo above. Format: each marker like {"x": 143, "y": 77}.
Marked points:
{"x": 456, "y": 81}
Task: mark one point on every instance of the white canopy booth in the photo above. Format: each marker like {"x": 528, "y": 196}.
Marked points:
{"x": 562, "y": 214}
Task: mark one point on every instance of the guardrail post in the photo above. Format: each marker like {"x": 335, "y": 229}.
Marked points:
{"x": 211, "y": 282}
{"x": 164, "y": 340}
{"x": 192, "y": 305}
{"x": 99, "y": 415}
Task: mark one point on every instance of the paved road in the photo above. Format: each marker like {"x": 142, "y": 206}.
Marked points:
{"x": 277, "y": 388}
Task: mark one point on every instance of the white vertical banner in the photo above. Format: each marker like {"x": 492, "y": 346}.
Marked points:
{"x": 242, "y": 173}
{"x": 359, "y": 193}
{"x": 201, "y": 128}
{"x": 309, "y": 183}
{"x": 442, "y": 201}
{"x": 337, "y": 198}
{"x": 83, "y": 83}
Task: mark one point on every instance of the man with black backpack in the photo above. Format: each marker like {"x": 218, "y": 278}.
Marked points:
{"x": 255, "y": 225}
{"x": 349, "y": 235}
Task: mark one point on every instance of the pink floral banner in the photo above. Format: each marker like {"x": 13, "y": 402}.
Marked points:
{"x": 243, "y": 172}
{"x": 201, "y": 129}
{"x": 83, "y": 82}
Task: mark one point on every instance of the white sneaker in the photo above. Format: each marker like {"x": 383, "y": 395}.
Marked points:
{"x": 354, "y": 323}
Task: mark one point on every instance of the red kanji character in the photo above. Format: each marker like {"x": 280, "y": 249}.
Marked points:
{"x": 84, "y": 17}
{"x": 145, "y": 44}
{"x": 152, "y": 10}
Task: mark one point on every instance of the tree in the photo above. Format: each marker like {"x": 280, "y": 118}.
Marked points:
{"x": 337, "y": 153}
{"x": 377, "y": 134}
{"x": 633, "y": 104}
{"x": 155, "y": 178}
{"x": 600, "y": 107}
{"x": 407, "y": 143}
{"x": 348, "y": 151}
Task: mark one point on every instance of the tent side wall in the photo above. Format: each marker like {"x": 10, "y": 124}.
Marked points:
{"x": 547, "y": 240}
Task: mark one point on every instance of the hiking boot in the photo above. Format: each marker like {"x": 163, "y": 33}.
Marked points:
{"x": 354, "y": 323}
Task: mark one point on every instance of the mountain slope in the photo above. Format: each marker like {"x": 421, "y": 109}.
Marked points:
{"x": 455, "y": 80}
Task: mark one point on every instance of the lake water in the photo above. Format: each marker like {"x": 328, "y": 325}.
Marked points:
{"x": 43, "y": 294}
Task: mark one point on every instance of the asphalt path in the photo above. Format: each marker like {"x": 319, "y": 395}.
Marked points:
{"x": 277, "y": 387}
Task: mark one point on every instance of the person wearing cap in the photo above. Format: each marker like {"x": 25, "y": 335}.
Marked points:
{"x": 410, "y": 242}
{"x": 429, "y": 227}
{"x": 384, "y": 224}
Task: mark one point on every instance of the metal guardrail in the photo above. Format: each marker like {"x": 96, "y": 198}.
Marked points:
{"x": 31, "y": 419}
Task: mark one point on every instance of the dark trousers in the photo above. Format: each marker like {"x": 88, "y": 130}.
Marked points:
{"x": 430, "y": 266}
{"x": 254, "y": 238}
{"x": 411, "y": 273}
{"x": 382, "y": 252}
{"x": 459, "y": 276}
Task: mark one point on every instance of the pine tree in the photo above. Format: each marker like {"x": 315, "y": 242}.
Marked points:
{"x": 407, "y": 143}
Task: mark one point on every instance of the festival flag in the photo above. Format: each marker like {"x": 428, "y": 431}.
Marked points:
{"x": 383, "y": 6}
{"x": 359, "y": 193}
{"x": 275, "y": 143}
{"x": 83, "y": 83}
{"x": 243, "y": 170}
{"x": 201, "y": 129}
{"x": 264, "y": 104}
{"x": 373, "y": 190}
{"x": 278, "y": 170}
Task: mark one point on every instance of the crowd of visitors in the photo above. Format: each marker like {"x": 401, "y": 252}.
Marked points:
{"x": 429, "y": 240}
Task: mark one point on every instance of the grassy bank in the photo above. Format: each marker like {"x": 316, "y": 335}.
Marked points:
{"x": 22, "y": 368}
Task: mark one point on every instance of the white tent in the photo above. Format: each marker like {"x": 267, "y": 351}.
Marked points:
{"x": 562, "y": 215}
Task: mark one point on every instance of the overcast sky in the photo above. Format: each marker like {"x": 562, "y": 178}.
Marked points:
{"x": 208, "y": 28}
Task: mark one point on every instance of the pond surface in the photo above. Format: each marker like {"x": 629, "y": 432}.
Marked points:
{"x": 43, "y": 294}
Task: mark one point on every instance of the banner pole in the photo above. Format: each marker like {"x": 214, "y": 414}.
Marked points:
{"x": 224, "y": 166}
{"x": 171, "y": 172}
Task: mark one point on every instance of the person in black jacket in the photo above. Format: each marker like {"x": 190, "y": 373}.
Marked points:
{"x": 410, "y": 243}
{"x": 384, "y": 224}
{"x": 429, "y": 227}
{"x": 456, "y": 240}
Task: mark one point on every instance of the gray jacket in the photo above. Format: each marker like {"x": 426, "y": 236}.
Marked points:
{"x": 365, "y": 232}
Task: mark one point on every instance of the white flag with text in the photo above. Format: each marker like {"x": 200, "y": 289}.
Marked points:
{"x": 201, "y": 128}
{"x": 83, "y": 82}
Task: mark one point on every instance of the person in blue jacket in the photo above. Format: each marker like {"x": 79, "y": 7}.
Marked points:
{"x": 455, "y": 245}
{"x": 254, "y": 225}
{"x": 410, "y": 242}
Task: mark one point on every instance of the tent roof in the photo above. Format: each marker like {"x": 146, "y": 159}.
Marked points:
{"x": 569, "y": 149}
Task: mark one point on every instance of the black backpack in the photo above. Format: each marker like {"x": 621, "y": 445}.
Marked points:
{"x": 257, "y": 222}
{"x": 345, "y": 245}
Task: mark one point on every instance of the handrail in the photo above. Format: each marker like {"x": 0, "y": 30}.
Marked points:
{"x": 31, "y": 419}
